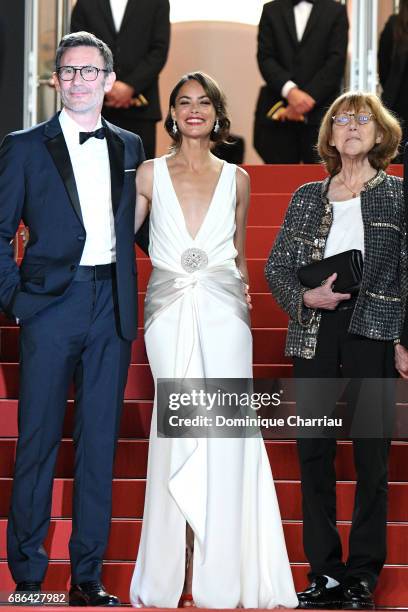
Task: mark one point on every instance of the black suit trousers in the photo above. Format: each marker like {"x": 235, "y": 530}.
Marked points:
{"x": 286, "y": 142}
{"x": 341, "y": 354}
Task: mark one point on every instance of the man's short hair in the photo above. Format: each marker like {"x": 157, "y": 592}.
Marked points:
{"x": 84, "y": 39}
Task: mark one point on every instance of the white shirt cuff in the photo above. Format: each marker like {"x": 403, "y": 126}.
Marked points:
{"x": 286, "y": 88}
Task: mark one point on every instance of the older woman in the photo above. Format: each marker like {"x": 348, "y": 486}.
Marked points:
{"x": 333, "y": 334}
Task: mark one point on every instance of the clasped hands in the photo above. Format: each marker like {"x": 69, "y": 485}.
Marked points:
{"x": 120, "y": 96}
{"x": 300, "y": 103}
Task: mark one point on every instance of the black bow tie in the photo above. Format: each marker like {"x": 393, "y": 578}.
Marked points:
{"x": 295, "y": 2}
{"x": 99, "y": 133}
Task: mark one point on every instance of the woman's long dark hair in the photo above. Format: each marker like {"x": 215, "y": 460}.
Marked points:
{"x": 401, "y": 27}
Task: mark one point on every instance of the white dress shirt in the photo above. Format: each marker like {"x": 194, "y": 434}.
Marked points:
{"x": 90, "y": 163}
{"x": 302, "y": 13}
{"x": 118, "y": 8}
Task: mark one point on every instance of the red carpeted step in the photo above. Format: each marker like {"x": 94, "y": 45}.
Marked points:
{"x": 125, "y": 536}
{"x": 268, "y": 343}
{"x": 257, "y": 280}
{"x": 260, "y": 241}
{"x": 284, "y": 462}
{"x": 255, "y": 267}
{"x": 268, "y": 209}
{"x": 139, "y": 385}
{"x": 392, "y": 589}
{"x": 266, "y": 312}
{"x": 279, "y": 178}
{"x": 9, "y": 346}
{"x": 131, "y": 460}
{"x": 256, "y": 275}
{"x": 135, "y": 420}
{"x": 128, "y": 499}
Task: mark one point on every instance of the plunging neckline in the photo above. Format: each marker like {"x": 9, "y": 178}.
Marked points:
{"x": 180, "y": 207}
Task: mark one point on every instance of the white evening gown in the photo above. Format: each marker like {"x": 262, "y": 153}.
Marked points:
{"x": 196, "y": 326}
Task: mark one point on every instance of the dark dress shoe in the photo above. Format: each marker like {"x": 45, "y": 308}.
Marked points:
{"x": 27, "y": 593}
{"x": 28, "y": 586}
{"x": 318, "y": 596}
{"x": 91, "y": 594}
{"x": 357, "y": 595}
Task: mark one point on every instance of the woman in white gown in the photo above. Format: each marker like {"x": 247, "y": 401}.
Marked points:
{"x": 197, "y": 326}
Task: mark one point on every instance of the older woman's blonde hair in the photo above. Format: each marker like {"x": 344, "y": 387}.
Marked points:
{"x": 387, "y": 125}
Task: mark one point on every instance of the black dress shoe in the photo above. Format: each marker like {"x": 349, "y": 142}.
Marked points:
{"x": 28, "y": 586}
{"x": 27, "y": 590}
{"x": 357, "y": 595}
{"x": 318, "y": 596}
{"x": 91, "y": 594}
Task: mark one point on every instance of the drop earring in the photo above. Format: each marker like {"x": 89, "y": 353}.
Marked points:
{"x": 174, "y": 129}
{"x": 216, "y": 126}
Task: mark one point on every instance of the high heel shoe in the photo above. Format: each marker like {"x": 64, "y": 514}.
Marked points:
{"x": 186, "y": 601}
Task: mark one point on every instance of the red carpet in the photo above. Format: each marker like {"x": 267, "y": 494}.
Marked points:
{"x": 271, "y": 188}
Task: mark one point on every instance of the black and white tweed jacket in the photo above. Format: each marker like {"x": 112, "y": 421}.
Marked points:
{"x": 380, "y": 305}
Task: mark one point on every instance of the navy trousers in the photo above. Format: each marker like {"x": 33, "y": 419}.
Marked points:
{"x": 73, "y": 339}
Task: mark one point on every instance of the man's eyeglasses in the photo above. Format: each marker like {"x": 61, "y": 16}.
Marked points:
{"x": 345, "y": 118}
{"x": 88, "y": 73}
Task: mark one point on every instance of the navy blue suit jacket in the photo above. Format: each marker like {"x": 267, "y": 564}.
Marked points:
{"x": 37, "y": 185}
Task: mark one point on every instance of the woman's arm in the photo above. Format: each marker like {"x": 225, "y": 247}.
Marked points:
{"x": 144, "y": 190}
{"x": 280, "y": 269}
{"x": 241, "y": 215}
{"x": 281, "y": 273}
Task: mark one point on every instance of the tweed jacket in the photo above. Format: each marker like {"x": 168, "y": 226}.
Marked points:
{"x": 380, "y": 306}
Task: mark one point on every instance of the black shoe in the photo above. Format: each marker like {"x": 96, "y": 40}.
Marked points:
{"x": 357, "y": 595}
{"x": 91, "y": 594}
{"x": 28, "y": 587}
{"x": 318, "y": 596}
{"x": 27, "y": 593}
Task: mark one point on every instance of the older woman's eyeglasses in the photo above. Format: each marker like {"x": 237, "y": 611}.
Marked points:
{"x": 345, "y": 118}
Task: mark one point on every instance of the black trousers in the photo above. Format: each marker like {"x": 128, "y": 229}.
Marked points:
{"x": 73, "y": 339}
{"x": 145, "y": 128}
{"x": 286, "y": 142}
{"x": 340, "y": 354}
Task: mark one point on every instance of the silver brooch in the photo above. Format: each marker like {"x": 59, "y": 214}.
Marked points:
{"x": 193, "y": 260}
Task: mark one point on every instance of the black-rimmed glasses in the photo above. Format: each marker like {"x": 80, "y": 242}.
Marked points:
{"x": 88, "y": 73}
{"x": 345, "y": 118}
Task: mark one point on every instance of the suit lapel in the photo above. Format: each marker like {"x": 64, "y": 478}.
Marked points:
{"x": 315, "y": 15}
{"x": 130, "y": 8}
{"x": 289, "y": 18}
{"x": 56, "y": 145}
{"x": 106, "y": 11}
{"x": 116, "y": 149}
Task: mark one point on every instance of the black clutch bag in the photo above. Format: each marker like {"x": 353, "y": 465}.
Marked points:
{"x": 349, "y": 268}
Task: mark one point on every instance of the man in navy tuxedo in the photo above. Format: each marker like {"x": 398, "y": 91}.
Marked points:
{"x": 72, "y": 182}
